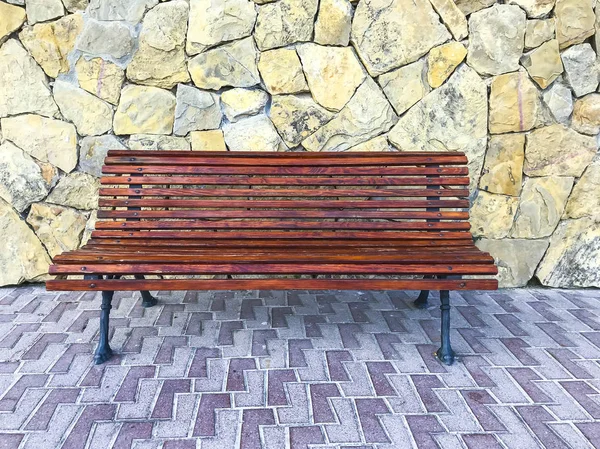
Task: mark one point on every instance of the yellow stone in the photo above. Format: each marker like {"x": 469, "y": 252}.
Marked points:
{"x": 503, "y": 168}
{"x": 11, "y": 19}
{"x": 208, "y": 140}
{"x": 585, "y": 198}
{"x": 575, "y": 21}
{"x": 379, "y": 143}
{"x": 50, "y": 43}
{"x": 544, "y": 64}
{"x": 282, "y": 72}
{"x": 101, "y": 78}
{"x": 492, "y": 215}
{"x": 442, "y": 62}
{"x": 145, "y": 110}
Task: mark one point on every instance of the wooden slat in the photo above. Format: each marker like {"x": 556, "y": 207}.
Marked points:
{"x": 167, "y": 154}
{"x": 283, "y": 224}
{"x": 319, "y": 193}
{"x": 271, "y": 284}
{"x": 281, "y": 204}
{"x": 295, "y": 214}
{"x": 285, "y": 171}
{"x": 286, "y": 181}
{"x": 277, "y": 268}
{"x": 397, "y": 159}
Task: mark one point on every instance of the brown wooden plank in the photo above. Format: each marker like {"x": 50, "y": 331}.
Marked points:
{"x": 319, "y": 193}
{"x": 285, "y": 171}
{"x": 284, "y": 224}
{"x": 271, "y": 284}
{"x": 296, "y": 214}
{"x": 397, "y": 159}
{"x": 286, "y": 181}
{"x": 281, "y": 204}
{"x": 283, "y": 154}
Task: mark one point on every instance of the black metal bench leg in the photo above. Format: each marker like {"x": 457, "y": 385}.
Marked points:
{"x": 421, "y": 301}
{"x": 147, "y": 299}
{"x": 445, "y": 353}
{"x": 103, "y": 352}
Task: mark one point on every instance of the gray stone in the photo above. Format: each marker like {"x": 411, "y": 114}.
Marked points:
{"x": 112, "y": 39}
{"x": 23, "y": 258}
{"x": 196, "y": 110}
{"x": 76, "y": 190}
{"x": 573, "y": 258}
{"x": 253, "y": 134}
{"x": 21, "y": 180}
{"x": 365, "y": 116}
{"x": 496, "y": 39}
{"x": 238, "y": 102}
{"x": 118, "y": 10}
{"x": 285, "y": 22}
{"x": 471, "y": 6}
{"x": 24, "y": 86}
{"x": 405, "y": 86}
{"x": 43, "y": 10}
{"x": 75, "y": 5}
{"x": 93, "y": 150}
{"x": 581, "y": 67}
{"x": 154, "y": 142}
{"x": 535, "y": 8}
{"x": 585, "y": 197}
{"x": 538, "y": 32}
{"x": 514, "y": 271}
{"x": 559, "y": 100}
{"x": 453, "y": 117}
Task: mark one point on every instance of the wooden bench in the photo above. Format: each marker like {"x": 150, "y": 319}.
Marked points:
{"x": 279, "y": 221}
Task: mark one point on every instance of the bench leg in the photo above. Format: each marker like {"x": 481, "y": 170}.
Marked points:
{"x": 445, "y": 353}
{"x": 147, "y": 299}
{"x": 103, "y": 352}
{"x": 421, "y": 301}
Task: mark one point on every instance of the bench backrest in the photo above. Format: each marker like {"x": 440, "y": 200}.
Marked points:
{"x": 180, "y": 197}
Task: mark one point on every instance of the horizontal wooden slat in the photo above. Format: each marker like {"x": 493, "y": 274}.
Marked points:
{"x": 285, "y": 171}
{"x": 282, "y": 154}
{"x": 397, "y": 159}
{"x": 283, "y": 224}
{"x": 271, "y": 284}
{"x": 296, "y": 214}
{"x": 276, "y": 268}
{"x": 285, "y": 181}
{"x": 318, "y": 193}
{"x": 281, "y": 204}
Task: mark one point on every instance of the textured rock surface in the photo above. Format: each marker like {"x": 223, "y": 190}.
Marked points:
{"x": 285, "y": 22}
{"x": 21, "y": 180}
{"x": 586, "y": 115}
{"x": 535, "y": 8}
{"x": 118, "y": 10}
{"x": 574, "y": 21}
{"x": 23, "y": 258}
{"x": 160, "y": 58}
{"x": 154, "y": 142}
{"x": 45, "y": 139}
{"x": 496, "y": 39}
{"x": 334, "y": 22}
{"x": 145, "y": 110}
{"x": 51, "y": 43}
{"x": 333, "y": 74}
{"x": 93, "y": 150}
{"x": 581, "y": 67}
{"x": 538, "y": 31}
{"x": 453, "y": 117}
{"x": 379, "y": 143}
{"x": 43, "y": 10}
{"x": 77, "y": 190}
{"x": 112, "y": 39}
{"x": 453, "y": 17}
{"x": 391, "y": 33}
{"x": 492, "y": 215}
{"x": 101, "y": 78}
{"x": 559, "y": 100}
{"x": 503, "y": 168}
{"x": 442, "y": 61}
{"x": 514, "y": 271}
{"x": 515, "y": 104}
{"x": 297, "y": 117}
{"x": 573, "y": 258}
{"x": 196, "y": 110}
{"x": 544, "y": 64}
{"x": 405, "y": 86}
{"x": 58, "y": 228}
{"x": 24, "y": 86}
{"x": 253, "y": 134}
{"x": 229, "y": 65}
{"x": 214, "y": 22}
{"x": 542, "y": 204}
{"x": 471, "y": 6}
{"x": 208, "y": 141}
{"x": 281, "y": 71}
{"x": 585, "y": 198}
{"x": 11, "y": 19}
{"x": 75, "y": 5}
{"x": 239, "y": 102}
{"x": 558, "y": 151}
{"x": 90, "y": 115}
{"x": 366, "y": 115}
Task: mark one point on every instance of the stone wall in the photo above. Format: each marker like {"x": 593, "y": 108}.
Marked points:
{"x": 513, "y": 85}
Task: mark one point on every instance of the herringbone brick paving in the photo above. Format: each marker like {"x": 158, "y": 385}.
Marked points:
{"x": 300, "y": 370}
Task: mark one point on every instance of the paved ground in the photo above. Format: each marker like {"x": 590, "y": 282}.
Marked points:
{"x": 326, "y": 370}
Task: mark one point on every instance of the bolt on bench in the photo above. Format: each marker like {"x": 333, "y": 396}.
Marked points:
{"x": 280, "y": 221}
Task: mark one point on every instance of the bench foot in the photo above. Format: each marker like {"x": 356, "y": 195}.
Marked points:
{"x": 147, "y": 299}
{"x": 445, "y": 353}
{"x": 103, "y": 352}
{"x": 421, "y": 301}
